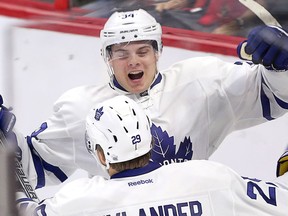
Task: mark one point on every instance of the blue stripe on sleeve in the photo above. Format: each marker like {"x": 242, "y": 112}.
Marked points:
{"x": 266, "y": 103}
{"x": 37, "y": 164}
{"x": 24, "y": 200}
{"x": 40, "y": 210}
{"x": 55, "y": 170}
{"x": 281, "y": 103}
{"x": 40, "y": 165}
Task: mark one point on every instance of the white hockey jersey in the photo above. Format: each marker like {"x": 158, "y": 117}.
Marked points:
{"x": 194, "y": 105}
{"x": 196, "y": 188}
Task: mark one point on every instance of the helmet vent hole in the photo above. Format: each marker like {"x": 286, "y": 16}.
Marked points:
{"x": 133, "y": 112}
{"x": 115, "y": 138}
{"x": 148, "y": 119}
{"x": 119, "y": 117}
{"x": 135, "y": 36}
{"x": 137, "y": 125}
{"x": 125, "y": 129}
{"x": 123, "y": 37}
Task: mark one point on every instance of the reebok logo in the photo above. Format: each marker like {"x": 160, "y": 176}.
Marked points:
{"x": 140, "y": 182}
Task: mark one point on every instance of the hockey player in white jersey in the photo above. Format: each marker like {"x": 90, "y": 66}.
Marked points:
{"x": 118, "y": 136}
{"x": 193, "y": 105}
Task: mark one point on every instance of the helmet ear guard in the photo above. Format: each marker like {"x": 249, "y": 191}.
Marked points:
{"x": 93, "y": 138}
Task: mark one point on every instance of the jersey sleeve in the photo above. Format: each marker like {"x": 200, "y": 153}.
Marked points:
{"x": 70, "y": 197}
{"x": 252, "y": 91}
{"x": 233, "y": 96}
{"x": 255, "y": 92}
{"x": 55, "y": 150}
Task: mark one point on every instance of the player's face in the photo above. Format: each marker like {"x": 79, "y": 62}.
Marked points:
{"x": 134, "y": 65}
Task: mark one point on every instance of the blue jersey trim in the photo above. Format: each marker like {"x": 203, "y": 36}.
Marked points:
{"x": 41, "y": 164}
{"x": 56, "y": 171}
{"x": 24, "y": 200}
{"x": 116, "y": 84}
{"x": 157, "y": 80}
{"x": 266, "y": 109}
{"x": 37, "y": 164}
{"x": 281, "y": 103}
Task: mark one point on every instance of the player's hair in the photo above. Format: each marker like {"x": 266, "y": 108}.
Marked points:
{"x": 131, "y": 164}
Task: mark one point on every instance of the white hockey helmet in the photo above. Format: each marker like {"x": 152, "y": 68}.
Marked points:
{"x": 121, "y": 128}
{"x": 130, "y": 26}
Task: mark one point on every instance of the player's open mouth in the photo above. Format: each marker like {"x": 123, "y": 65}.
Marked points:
{"x": 135, "y": 75}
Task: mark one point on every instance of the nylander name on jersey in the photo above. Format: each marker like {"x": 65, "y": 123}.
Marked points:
{"x": 164, "y": 150}
{"x": 193, "y": 208}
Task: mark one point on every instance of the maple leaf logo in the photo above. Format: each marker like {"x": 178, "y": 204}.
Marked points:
{"x": 99, "y": 112}
{"x": 164, "y": 150}
{"x": 185, "y": 151}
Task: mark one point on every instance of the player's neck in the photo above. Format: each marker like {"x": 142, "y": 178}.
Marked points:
{"x": 112, "y": 171}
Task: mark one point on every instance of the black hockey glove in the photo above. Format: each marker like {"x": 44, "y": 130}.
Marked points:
{"x": 7, "y": 119}
{"x": 268, "y": 45}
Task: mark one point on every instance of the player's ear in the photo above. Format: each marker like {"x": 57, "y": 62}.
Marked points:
{"x": 101, "y": 157}
{"x": 157, "y": 56}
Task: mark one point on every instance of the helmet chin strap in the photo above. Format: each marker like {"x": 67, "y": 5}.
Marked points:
{"x": 107, "y": 165}
{"x": 110, "y": 73}
{"x": 109, "y": 68}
